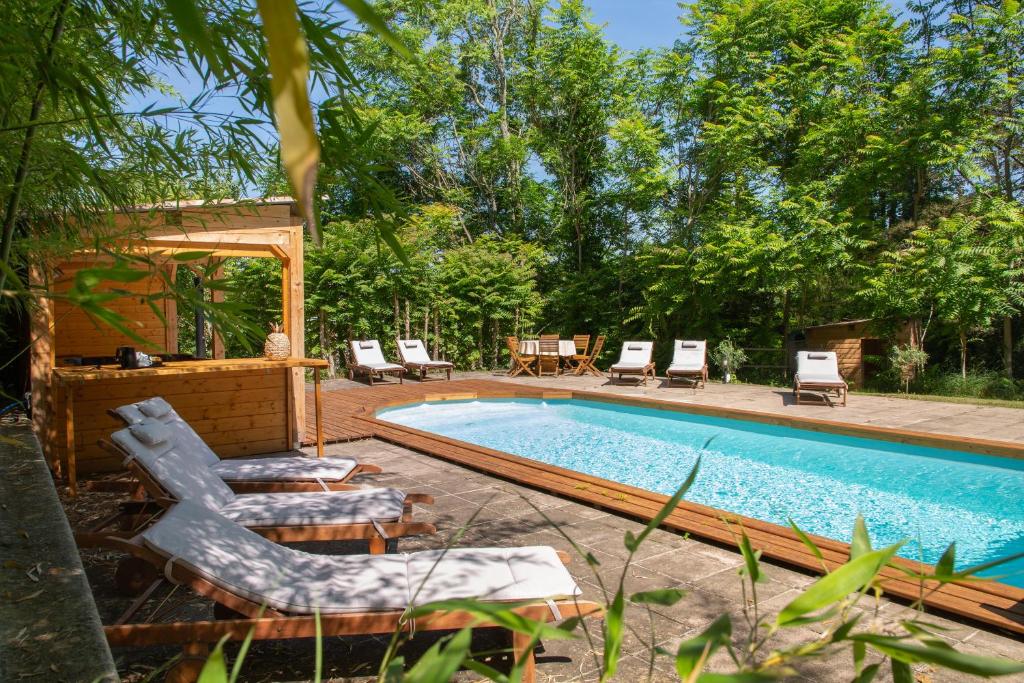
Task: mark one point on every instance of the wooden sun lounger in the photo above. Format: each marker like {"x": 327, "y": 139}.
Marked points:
{"x": 819, "y": 371}
{"x": 279, "y": 481}
{"x": 238, "y": 616}
{"x": 416, "y": 359}
{"x": 689, "y": 361}
{"x": 635, "y": 359}
{"x": 368, "y": 359}
{"x": 381, "y": 535}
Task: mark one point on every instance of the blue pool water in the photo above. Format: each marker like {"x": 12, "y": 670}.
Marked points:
{"x": 822, "y": 481}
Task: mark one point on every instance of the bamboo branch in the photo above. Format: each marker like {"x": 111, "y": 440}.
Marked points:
{"x": 21, "y": 172}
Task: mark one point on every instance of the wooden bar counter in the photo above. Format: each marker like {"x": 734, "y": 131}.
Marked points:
{"x": 239, "y": 406}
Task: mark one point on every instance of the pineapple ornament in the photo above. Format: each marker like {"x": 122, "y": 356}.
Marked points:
{"x": 277, "y": 346}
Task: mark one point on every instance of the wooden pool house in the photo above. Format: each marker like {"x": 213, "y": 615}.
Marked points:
{"x": 240, "y": 406}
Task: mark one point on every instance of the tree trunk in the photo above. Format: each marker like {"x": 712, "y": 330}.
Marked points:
{"x": 200, "y": 320}
{"x": 480, "y": 342}
{"x": 963, "y": 354}
{"x": 786, "y": 307}
{"x": 497, "y": 330}
{"x": 1008, "y": 346}
{"x": 437, "y": 333}
{"x": 426, "y": 326}
{"x": 332, "y": 365}
{"x": 408, "y": 330}
{"x": 398, "y": 313}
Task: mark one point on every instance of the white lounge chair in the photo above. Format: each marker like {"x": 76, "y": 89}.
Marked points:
{"x": 367, "y": 358}
{"x": 818, "y": 371}
{"x": 635, "y": 359}
{"x": 275, "y": 592}
{"x": 689, "y": 360}
{"x": 172, "y": 473}
{"x": 416, "y": 359}
{"x": 267, "y": 474}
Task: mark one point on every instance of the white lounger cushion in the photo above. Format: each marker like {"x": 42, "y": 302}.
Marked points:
{"x": 414, "y": 352}
{"x": 283, "y": 578}
{"x": 367, "y": 353}
{"x": 180, "y": 472}
{"x": 284, "y": 468}
{"x": 381, "y": 366}
{"x": 361, "y": 506}
{"x": 636, "y": 355}
{"x": 186, "y": 478}
{"x": 287, "y": 468}
{"x": 689, "y": 356}
{"x": 818, "y": 367}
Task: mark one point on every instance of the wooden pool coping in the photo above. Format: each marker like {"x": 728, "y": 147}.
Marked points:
{"x": 351, "y": 414}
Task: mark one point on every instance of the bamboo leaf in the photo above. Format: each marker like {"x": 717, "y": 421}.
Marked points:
{"x": 288, "y": 56}
{"x": 699, "y": 648}
{"x": 851, "y": 577}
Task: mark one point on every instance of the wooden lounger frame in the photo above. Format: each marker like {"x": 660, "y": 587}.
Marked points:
{"x": 368, "y": 371}
{"x": 700, "y": 377}
{"x": 246, "y": 616}
{"x": 375, "y": 372}
{"x": 381, "y": 536}
{"x": 422, "y": 369}
{"x": 250, "y": 485}
{"x": 841, "y": 388}
{"x": 645, "y": 373}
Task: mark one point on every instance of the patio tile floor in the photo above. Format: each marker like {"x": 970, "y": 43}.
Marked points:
{"x": 707, "y": 572}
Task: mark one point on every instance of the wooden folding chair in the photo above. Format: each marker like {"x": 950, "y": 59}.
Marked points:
{"x": 586, "y": 364}
{"x": 547, "y": 355}
{"x": 191, "y": 547}
{"x": 520, "y": 363}
{"x": 581, "y": 342}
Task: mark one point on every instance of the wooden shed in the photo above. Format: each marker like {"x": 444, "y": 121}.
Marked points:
{"x": 243, "y": 407}
{"x": 855, "y": 343}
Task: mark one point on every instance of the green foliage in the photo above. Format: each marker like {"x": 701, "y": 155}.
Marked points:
{"x": 908, "y": 360}
{"x": 460, "y": 297}
{"x": 728, "y": 356}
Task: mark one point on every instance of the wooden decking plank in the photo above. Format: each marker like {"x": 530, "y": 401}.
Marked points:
{"x": 351, "y": 412}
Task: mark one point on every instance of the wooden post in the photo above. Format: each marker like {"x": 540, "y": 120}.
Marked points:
{"x": 319, "y": 414}
{"x": 217, "y": 296}
{"x": 293, "y": 312}
{"x": 171, "y": 314}
{"x": 69, "y": 439}
{"x": 523, "y": 652}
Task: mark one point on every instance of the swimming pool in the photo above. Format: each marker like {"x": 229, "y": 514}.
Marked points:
{"x": 930, "y": 496}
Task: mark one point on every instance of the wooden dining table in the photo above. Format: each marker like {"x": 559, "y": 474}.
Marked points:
{"x": 531, "y": 347}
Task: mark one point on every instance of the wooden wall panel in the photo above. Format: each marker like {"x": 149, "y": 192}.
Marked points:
{"x": 75, "y": 334}
{"x": 845, "y": 341}
{"x": 237, "y": 413}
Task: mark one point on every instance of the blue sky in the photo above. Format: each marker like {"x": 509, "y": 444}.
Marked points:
{"x": 636, "y": 24}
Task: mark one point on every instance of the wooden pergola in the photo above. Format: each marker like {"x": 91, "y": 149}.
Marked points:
{"x": 268, "y": 228}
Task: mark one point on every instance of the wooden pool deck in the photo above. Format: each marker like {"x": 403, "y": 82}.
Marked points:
{"x": 349, "y": 415}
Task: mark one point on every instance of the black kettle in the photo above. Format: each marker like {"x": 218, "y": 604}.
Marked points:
{"x": 126, "y": 357}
